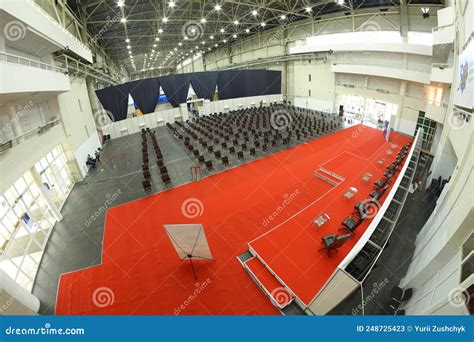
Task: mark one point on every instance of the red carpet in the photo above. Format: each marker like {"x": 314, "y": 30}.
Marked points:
{"x": 141, "y": 274}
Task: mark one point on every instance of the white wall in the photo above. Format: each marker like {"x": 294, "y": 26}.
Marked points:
{"x": 89, "y": 146}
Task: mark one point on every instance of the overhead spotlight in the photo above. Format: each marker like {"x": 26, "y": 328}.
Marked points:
{"x": 129, "y": 47}
{"x": 263, "y": 24}
{"x": 254, "y": 13}
{"x": 217, "y": 7}
{"x": 160, "y": 31}
{"x": 157, "y": 39}
{"x": 236, "y": 22}
{"x": 180, "y": 44}
{"x": 340, "y": 2}
{"x": 215, "y": 45}
{"x": 234, "y": 36}
{"x": 222, "y": 30}
{"x": 247, "y": 30}
{"x": 127, "y": 40}
{"x": 154, "y": 45}
{"x": 171, "y": 4}
{"x": 120, "y": 3}
{"x": 203, "y": 42}
{"x": 185, "y": 37}
{"x": 203, "y": 20}
{"x": 211, "y": 37}
{"x": 224, "y": 41}
{"x": 129, "y": 52}
{"x": 283, "y": 17}
{"x": 308, "y": 9}
{"x": 426, "y": 12}
{"x": 165, "y": 19}
{"x": 123, "y": 20}
{"x": 175, "y": 49}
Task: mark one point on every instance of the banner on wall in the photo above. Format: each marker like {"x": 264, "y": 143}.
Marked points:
{"x": 465, "y": 84}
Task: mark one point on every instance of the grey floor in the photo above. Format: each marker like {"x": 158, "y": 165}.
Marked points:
{"x": 76, "y": 241}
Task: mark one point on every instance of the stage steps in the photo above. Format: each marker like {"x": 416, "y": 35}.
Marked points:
{"x": 328, "y": 176}
{"x": 277, "y": 293}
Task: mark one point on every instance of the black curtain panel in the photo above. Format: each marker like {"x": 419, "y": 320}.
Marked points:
{"x": 255, "y": 82}
{"x": 175, "y": 87}
{"x": 204, "y": 84}
{"x": 273, "y": 82}
{"x": 231, "y": 84}
{"x": 115, "y": 100}
{"x": 145, "y": 94}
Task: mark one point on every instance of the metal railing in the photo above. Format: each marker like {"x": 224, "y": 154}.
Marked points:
{"x": 6, "y": 145}
{"x": 15, "y": 59}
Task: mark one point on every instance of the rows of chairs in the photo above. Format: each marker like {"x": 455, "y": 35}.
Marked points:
{"x": 240, "y": 134}
{"x": 362, "y": 208}
{"x": 159, "y": 161}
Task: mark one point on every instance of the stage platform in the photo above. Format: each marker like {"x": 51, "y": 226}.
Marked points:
{"x": 141, "y": 274}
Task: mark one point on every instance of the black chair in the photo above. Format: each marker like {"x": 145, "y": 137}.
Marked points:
{"x": 399, "y": 295}
{"x": 146, "y": 174}
{"x": 232, "y": 150}
{"x": 165, "y": 178}
{"x": 225, "y": 160}
{"x": 264, "y": 147}
{"x": 209, "y": 165}
{"x": 244, "y": 147}
{"x": 240, "y": 155}
{"x": 146, "y": 186}
{"x": 201, "y": 159}
{"x": 224, "y": 145}
{"x": 210, "y": 149}
{"x": 350, "y": 224}
{"x": 333, "y": 242}
{"x": 217, "y": 154}
{"x": 252, "y": 152}
{"x": 163, "y": 169}
{"x": 196, "y": 153}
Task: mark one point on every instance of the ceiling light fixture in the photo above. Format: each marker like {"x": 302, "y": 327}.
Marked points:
{"x": 123, "y": 20}
{"x": 165, "y": 19}
{"x": 217, "y": 7}
{"x": 254, "y": 13}
{"x": 236, "y": 22}
{"x": 171, "y": 4}
{"x": 308, "y": 9}
{"x": 120, "y": 3}
{"x": 203, "y": 20}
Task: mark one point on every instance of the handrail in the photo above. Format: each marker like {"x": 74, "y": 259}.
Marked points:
{"x": 15, "y": 59}
{"x": 62, "y": 28}
{"x": 33, "y": 132}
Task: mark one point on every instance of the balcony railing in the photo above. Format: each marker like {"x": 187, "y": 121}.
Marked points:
{"x": 6, "y": 145}
{"x": 14, "y": 59}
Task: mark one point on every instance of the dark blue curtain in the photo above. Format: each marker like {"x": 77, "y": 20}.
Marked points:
{"x": 273, "y": 82}
{"x": 231, "y": 84}
{"x": 255, "y": 82}
{"x": 175, "y": 87}
{"x": 204, "y": 83}
{"x": 145, "y": 93}
{"x": 115, "y": 100}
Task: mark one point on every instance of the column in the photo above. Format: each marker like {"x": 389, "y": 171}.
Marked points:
{"x": 13, "y": 119}
{"x": 16, "y": 300}
{"x": 54, "y": 209}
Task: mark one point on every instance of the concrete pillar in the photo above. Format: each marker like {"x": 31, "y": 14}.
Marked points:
{"x": 13, "y": 119}
{"x": 2, "y": 41}
{"x": 14, "y": 299}
{"x": 54, "y": 209}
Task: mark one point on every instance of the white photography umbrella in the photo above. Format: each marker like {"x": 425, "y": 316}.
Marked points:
{"x": 189, "y": 241}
